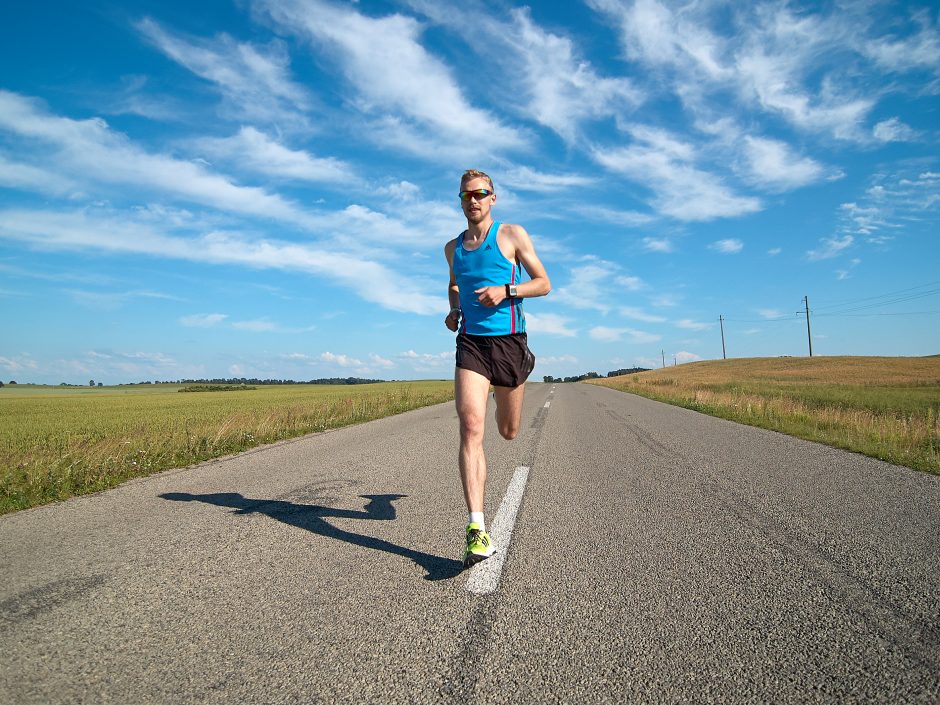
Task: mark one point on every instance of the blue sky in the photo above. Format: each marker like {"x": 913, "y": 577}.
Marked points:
{"x": 263, "y": 188}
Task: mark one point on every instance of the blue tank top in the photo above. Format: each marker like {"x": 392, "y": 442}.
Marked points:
{"x": 487, "y": 266}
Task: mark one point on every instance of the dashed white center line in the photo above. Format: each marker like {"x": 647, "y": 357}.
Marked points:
{"x": 484, "y": 576}
{"x": 547, "y": 404}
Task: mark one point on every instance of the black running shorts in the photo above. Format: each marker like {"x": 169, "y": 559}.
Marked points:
{"x": 505, "y": 360}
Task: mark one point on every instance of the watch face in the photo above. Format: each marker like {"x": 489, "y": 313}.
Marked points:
{"x": 512, "y": 291}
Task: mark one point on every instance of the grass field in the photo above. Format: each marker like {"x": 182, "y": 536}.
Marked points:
{"x": 885, "y": 407}
{"x": 57, "y": 442}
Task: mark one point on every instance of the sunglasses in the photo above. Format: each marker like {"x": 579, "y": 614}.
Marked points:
{"x": 479, "y": 194}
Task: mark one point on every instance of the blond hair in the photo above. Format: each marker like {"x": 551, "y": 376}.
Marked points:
{"x": 471, "y": 174}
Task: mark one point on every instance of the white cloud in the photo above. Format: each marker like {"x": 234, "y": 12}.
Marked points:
{"x": 524, "y": 178}
{"x": 630, "y": 283}
{"x": 606, "y": 334}
{"x": 773, "y": 164}
{"x": 666, "y": 165}
{"x": 774, "y": 251}
{"x": 783, "y": 60}
{"x": 629, "y": 219}
{"x": 831, "y": 247}
{"x": 665, "y": 300}
{"x": 769, "y": 313}
{"x": 563, "y": 90}
{"x": 256, "y": 326}
{"x": 341, "y": 360}
{"x": 594, "y": 276}
{"x": 428, "y": 360}
{"x": 730, "y": 246}
{"x": 638, "y": 315}
{"x": 32, "y": 178}
{"x": 89, "y": 149}
{"x": 893, "y": 130}
{"x": 557, "y": 359}
{"x": 18, "y": 364}
{"x": 84, "y": 230}
{"x": 550, "y": 324}
{"x": 390, "y": 71}
{"x": 657, "y": 244}
{"x": 254, "y": 80}
{"x": 689, "y": 324}
{"x": 202, "y": 320}
{"x": 682, "y": 357}
{"x": 380, "y": 362}
{"x": 254, "y": 150}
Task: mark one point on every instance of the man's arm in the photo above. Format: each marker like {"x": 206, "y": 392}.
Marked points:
{"x": 524, "y": 252}
{"x": 453, "y": 293}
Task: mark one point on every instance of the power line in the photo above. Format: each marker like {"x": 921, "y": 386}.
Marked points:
{"x": 850, "y": 302}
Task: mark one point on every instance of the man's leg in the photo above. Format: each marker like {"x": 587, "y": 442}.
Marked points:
{"x": 471, "y": 389}
{"x": 509, "y": 409}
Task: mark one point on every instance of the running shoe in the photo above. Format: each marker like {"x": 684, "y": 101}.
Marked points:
{"x": 479, "y": 545}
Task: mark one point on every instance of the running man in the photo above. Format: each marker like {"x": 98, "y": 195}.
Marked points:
{"x": 486, "y": 293}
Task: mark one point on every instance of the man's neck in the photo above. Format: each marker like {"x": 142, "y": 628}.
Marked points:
{"x": 478, "y": 231}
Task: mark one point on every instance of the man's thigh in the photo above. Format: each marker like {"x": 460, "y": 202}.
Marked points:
{"x": 470, "y": 390}
{"x": 509, "y": 403}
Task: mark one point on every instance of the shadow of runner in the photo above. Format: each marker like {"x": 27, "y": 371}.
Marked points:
{"x": 311, "y": 517}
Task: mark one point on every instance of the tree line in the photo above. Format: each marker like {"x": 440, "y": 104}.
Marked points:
{"x": 594, "y": 375}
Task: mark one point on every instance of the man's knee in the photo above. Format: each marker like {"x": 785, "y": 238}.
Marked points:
{"x": 508, "y": 430}
{"x": 471, "y": 426}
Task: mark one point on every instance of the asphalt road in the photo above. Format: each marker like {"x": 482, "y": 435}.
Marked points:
{"x": 658, "y": 555}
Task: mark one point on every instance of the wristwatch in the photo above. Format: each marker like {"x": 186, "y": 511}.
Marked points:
{"x": 511, "y": 291}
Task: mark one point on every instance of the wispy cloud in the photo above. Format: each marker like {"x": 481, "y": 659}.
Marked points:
{"x": 607, "y": 334}
{"x": 639, "y": 315}
{"x": 550, "y": 324}
{"x": 666, "y": 165}
{"x": 395, "y": 80}
{"x": 729, "y": 246}
{"x": 255, "y": 80}
{"x": 830, "y": 247}
{"x": 81, "y": 230}
{"x": 524, "y": 178}
{"x": 256, "y": 151}
{"x": 775, "y": 58}
{"x": 563, "y": 89}
{"x": 893, "y": 130}
{"x": 773, "y": 164}
{"x": 657, "y": 244}
{"x": 689, "y": 324}
{"x": 625, "y": 218}
{"x": 89, "y": 149}
{"x": 202, "y": 320}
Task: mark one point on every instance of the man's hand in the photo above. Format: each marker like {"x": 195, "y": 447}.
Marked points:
{"x": 491, "y": 296}
{"x": 453, "y": 319}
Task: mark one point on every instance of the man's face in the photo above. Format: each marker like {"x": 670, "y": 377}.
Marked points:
{"x": 477, "y": 209}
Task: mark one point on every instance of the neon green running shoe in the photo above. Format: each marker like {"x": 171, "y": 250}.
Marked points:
{"x": 479, "y": 545}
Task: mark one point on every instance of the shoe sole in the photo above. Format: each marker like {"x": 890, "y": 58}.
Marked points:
{"x": 471, "y": 559}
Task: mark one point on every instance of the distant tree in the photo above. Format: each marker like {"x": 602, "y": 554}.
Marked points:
{"x": 12, "y": 381}
{"x": 1, "y": 384}
{"x": 100, "y": 384}
{"x": 91, "y": 383}
{"x": 548, "y": 378}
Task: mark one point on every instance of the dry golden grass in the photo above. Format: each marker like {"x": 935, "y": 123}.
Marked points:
{"x": 885, "y": 407}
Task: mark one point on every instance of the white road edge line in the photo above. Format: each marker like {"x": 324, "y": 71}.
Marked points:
{"x": 547, "y": 404}
{"x": 484, "y": 576}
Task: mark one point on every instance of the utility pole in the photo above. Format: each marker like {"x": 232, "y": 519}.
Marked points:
{"x": 809, "y": 335}
{"x": 721, "y": 322}
{"x": 664, "y": 358}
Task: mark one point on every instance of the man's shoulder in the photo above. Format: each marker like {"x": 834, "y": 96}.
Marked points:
{"x": 513, "y": 231}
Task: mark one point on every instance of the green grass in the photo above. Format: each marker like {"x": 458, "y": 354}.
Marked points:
{"x": 56, "y": 442}
{"x": 887, "y": 408}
